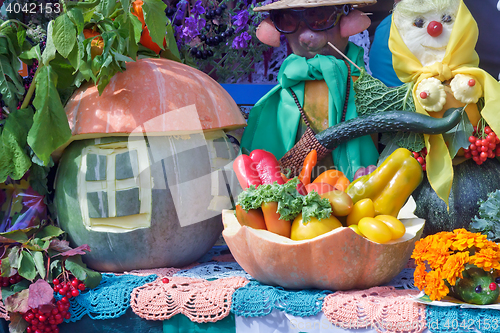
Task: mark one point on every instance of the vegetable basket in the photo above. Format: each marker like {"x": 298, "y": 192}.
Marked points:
{"x": 338, "y": 260}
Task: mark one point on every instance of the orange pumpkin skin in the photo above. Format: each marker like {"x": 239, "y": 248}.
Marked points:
{"x": 158, "y": 89}
{"x": 337, "y": 260}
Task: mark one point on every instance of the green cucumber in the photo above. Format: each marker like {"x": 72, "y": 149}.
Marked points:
{"x": 387, "y": 121}
{"x": 474, "y": 288}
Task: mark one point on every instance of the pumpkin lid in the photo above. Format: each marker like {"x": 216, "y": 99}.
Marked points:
{"x": 153, "y": 97}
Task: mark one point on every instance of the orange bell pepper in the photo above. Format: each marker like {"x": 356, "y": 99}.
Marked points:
{"x": 273, "y": 222}
{"x": 335, "y": 178}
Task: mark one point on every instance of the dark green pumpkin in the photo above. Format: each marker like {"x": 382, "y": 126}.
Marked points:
{"x": 471, "y": 183}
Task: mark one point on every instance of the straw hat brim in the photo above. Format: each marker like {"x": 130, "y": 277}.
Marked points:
{"x": 285, "y": 4}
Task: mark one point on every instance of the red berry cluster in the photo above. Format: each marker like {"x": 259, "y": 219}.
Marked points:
{"x": 46, "y": 322}
{"x": 6, "y": 281}
{"x": 420, "y": 156}
{"x": 483, "y": 145}
{"x": 68, "y": 289}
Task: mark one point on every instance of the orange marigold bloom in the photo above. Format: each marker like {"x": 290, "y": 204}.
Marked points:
{"x": 466, "y": 240}
{"x": 437, "y": 255}
{"x": 435, "y": 286}
{"x": 419, "y": 276}
{"x": 454, "y": 267}
{"x": 486, "y": 258}
{"x": 420, "y": 250}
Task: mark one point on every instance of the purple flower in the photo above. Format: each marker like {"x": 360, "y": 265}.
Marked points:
{"x": 192, "y": 27}
{"x": 198, "y": 9}
{"x": 181, "y": 10}
{"x": 241, "y": 41}
{"x": 241, "y": 20}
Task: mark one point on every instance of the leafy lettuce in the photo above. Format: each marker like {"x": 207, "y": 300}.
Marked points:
{"x": 290, "y": 202}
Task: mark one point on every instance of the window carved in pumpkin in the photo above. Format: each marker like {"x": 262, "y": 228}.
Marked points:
{"x": 114, "y": 186}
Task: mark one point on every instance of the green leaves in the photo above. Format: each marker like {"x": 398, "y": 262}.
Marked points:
{"x": 488, "y": 220}
{"x": 50, "y": 114}
{"x": 76, "y": 266}
{"x": 27, "y": 268}
{"x": 14, "y": 161}
{"x": 50, "y": 49}
{"x": 372, "y": 95}
{"x": 156, "y": 20}
{"x": 458, "y": 137}
{"x": 64, "y": 35}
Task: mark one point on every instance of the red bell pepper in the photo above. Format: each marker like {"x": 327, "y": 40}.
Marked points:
{"x": 260, "y": 167}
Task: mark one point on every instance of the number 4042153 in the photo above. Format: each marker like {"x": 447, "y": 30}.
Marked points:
{"x": 33, "y": 8}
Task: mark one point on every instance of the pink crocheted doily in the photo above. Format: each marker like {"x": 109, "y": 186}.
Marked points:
{"x": 200, "y": 300}
{"x": 382, "y": 308}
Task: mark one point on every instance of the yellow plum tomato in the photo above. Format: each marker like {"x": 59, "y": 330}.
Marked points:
{"x": 396, "y": 226}
{"x": 340, "y": 201}
{"x": 307, "y": 230}
{"x": 356, "y": 229}
{"x": 375, "y": 230}
{"x": 362, "y": 208}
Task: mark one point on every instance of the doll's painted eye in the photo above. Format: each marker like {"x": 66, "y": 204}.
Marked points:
{"x": 446, "y": 18}
{"x": 419, "y": 23}
{"x": 479, "y": 289}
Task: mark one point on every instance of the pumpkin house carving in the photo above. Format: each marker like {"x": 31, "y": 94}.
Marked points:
{"x": 143, "y": 179}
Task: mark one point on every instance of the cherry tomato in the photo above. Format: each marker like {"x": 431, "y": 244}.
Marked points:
{"x": 362, "y": 208}
{"x": 375, "y": 230}
{"x": 396, "y": 226}
{"x": 302, "y": 230}
{"x": 340, "y": 201}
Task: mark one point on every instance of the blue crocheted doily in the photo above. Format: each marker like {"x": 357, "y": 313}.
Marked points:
{"x": 110, "y": 299}
{"x": 447, "y": 319}
{"x": 255, "y": 300}
{"x": 214, "y": 270}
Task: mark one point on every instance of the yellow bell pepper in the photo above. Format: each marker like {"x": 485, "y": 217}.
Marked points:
{"x": 390, "y": 185}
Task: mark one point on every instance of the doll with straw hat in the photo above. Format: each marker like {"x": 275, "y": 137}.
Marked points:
{"x": 316, "y": 78}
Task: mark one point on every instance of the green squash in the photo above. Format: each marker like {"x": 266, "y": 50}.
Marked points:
{"x": 471, "y": 183}
{"x": 141, "y": 205}
{"x": 476, "y": 287}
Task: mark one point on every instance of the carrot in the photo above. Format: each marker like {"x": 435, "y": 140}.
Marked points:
{"x": 273, "y": 223}
{"x": 309, "y": 163}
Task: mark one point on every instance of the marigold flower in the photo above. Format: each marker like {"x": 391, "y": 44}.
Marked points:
{"x": 454, "y": 267}
{"x": 437, "y": 255}
{"x": 435, "y": 286}
{"x": 466, "y": 240}
{"x": 486, "y": 259}
{"x": 419, "y": 276}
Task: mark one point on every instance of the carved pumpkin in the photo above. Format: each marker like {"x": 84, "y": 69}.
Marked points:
{"x": 142, "y": 181}
{"x": 338, "y": 260}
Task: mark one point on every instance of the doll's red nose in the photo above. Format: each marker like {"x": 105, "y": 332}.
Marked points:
{"x": 434, "y": 29}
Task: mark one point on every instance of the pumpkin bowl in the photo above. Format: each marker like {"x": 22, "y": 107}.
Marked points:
{"x": 338, "y": 260}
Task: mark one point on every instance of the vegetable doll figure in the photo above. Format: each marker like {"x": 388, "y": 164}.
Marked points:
{"x": 432, "y": 43}
{"x": 315, "y": 77}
